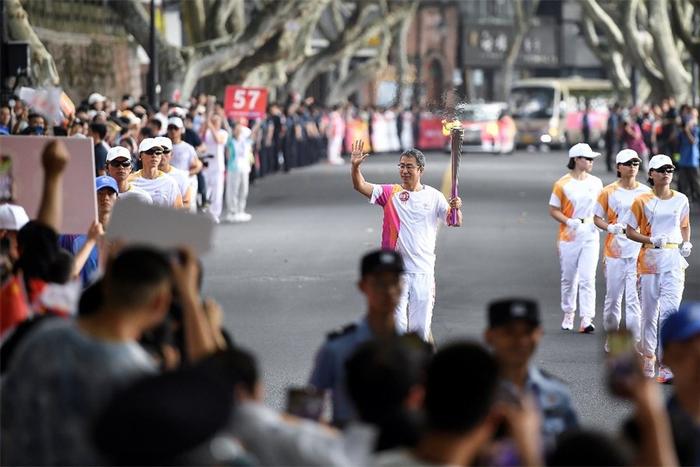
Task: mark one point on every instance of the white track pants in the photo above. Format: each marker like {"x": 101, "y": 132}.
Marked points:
{"x": 414, "y": 312}
{"x": 578, "y": 262}
{"x": 215, "y": 189}
{"x": 660, "y": 296}
{"x": 236, "y": 191}
{"x": 335, "y": 146}
{"x": 621, "y": 279}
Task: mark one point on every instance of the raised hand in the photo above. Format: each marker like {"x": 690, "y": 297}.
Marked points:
{"x": 356, "y": 156}
{"x": 54, "y": 158}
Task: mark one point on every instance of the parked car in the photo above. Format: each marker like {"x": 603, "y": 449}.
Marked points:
{"x": 487, "y": 127}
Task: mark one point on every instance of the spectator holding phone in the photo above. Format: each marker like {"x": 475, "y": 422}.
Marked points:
{"x": 380, "y": 282}
{"x": 513, "y": 335}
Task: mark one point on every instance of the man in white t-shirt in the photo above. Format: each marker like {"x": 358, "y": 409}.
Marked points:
{"x": 119, "y": 168}
{"x": 161, "y": 186}
{"x": 181, "y": 177}
{"x": 412, "y": 213}
{"x": 215, "y": 139}
{"x": 184, "y": 156}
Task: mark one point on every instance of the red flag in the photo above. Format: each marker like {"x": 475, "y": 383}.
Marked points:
{"x": 13, "y": 305}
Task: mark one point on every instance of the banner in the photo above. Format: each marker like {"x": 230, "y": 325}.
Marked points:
{"x": 430, "y": 134}
{"x": 357, "y": 130}
{"x": 242, "y": 101}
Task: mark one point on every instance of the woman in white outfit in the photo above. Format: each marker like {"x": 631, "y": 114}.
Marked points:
{"x": 660, "y": 221}
{"x": 620, "y": 253}
{"x": 572, "y": 202}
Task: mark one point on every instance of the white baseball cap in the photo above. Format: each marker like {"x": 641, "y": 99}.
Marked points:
{"x": 164, "y": 142}
{"x": 659, "y": 161}
{"x": 626, "y": 155}
{"x": 148, "y": 144}
{"x": 116, "y": 152}
{"x": 176, "y": 121}
{"x": 96, "y": 97}
{"x": 582, "y": 150}
{"x": 12, "y": 217}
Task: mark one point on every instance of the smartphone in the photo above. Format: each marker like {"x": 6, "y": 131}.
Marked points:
{"x": 305, "y": 402}
{"x": 623, "y": 366}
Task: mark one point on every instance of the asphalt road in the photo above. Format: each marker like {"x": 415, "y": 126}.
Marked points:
{"x": 289, "y": 276}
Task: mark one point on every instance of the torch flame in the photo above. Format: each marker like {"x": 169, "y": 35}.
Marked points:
{"x": 449, "y": 125}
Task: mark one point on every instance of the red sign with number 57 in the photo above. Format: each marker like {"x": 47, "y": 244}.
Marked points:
{"x": 241, "y": 101}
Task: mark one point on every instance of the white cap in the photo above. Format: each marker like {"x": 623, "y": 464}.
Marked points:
{"x": 148, "y": 144}
{"x": 582, "y": 150}
{"x": 659, "y": 161}
{"x": 178, "y": 112}
{"x": 164, "y": 142}
{"x": 96, "y": 97}
{"x": 12, "y": 217}
{"x": 118, "y": 151}
{"x": 626, "y": 155}
{"x": 177, "y": 121}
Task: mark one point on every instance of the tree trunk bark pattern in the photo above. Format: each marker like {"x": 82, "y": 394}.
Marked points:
{"x": 44, "y": 68}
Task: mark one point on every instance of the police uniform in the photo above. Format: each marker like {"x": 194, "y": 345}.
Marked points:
{"x": 553, "y": 399}
{"x": 329, "y": 370}
{"x": 551, "y": 394}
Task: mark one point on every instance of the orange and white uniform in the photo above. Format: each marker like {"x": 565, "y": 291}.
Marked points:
{"x": 662, "y": 270}
{"x": 578, "y": 247}
{"x": 621, "y": 254}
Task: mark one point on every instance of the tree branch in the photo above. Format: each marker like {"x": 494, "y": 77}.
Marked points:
{"x": 676, "y": 76}
{"x": 612, "y": 59}
{"x": 682, "y": 22}
{"x": 601, "y": 17}
{"x": 193, "y": 19}
{"x": 635, "y": 46}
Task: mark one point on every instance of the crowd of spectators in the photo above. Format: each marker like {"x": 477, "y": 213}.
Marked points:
{"x": 138, "y": 370}
{"x": 663, "y": 128}
{"x": 112, "y": 356}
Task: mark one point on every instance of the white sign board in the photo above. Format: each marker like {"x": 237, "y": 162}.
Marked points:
{"x": 144, "y": 224}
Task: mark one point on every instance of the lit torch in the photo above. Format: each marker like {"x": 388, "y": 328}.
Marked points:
{"x": 454, "y": 130}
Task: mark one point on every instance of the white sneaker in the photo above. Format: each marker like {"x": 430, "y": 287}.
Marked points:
{"x": 244, "y": 217}
{"x": 587, "y": 326}
{"x": 230, "y": 218}
{"x": 606, "y": 347}
{"x": 665, "y": 375}
{"x": 568, "y": 323}
{"x": 649, "y": 367}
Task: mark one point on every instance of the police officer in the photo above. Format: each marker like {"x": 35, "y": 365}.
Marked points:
{"x": 513, "y": 333}
{"x": 380, "y": 282}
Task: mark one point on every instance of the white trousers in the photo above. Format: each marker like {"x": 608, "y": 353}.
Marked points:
{"x": 578, "y": 262}
{"x": 215, "y": 189}
{"x": 414, "y": 313}
{"x": 660, "y": 296}
{"x": 335, "y": 145}
{"x": 236, "y": 191}
{"x": 621, "y": 279}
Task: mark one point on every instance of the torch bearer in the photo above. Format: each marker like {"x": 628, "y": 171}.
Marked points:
{"x": 455, "y": 131}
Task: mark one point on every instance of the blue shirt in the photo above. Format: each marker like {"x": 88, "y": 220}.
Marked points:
{"x": 329, "y": 370}
{"x": 554, "y": 402}
{"x": 690, "y": 153}
{"x": 74, "y": 243}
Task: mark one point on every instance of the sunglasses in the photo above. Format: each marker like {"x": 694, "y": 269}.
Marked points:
{"x": 124, "y": 164}
{"x": 167, "y": 151}
{"x": 630, "y": 163}
{"x": 589, "y": 159}
{"x": 154, "y": 152}
{"x": 665, "y": 170}
{"x": 173, "y": 127}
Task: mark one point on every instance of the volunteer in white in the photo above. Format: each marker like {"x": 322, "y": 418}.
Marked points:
{"x": 620, "y": 253}
{"x": 572, "y": 202}
{"x": 412, "y": 213}
{"x": 119, "y": 168}
{"x": 182, "y": 177}
{"x": 663, "y": 220}
{"x": 161, "y": 186}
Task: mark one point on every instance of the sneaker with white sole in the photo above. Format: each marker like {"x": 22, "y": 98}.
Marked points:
{"x": 649, "y": 367}
{"x": 586, "y": 326}
{"x": 665, "y": 375}
{"x": 568, "y": 323}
